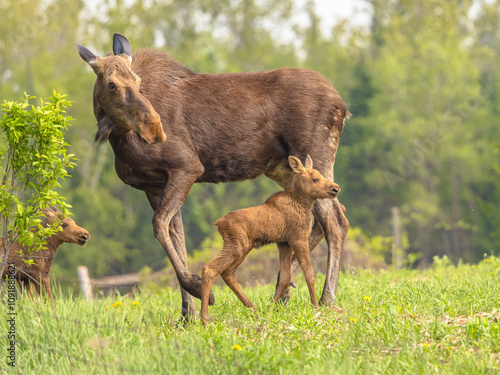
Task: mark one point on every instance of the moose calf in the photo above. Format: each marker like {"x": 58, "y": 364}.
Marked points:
{"x": 285, "y": 219}
{"x": 39, "y": 272}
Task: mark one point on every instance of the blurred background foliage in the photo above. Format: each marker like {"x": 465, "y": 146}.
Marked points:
{"x": 422, "y": 80}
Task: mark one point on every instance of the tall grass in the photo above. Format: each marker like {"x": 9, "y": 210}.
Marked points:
{"x": 442, "y": 320}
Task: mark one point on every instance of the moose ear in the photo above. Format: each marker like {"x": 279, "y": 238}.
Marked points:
{"x": 295, "y": 164}
{"x": 309, "y": 162}
{"x": 121, "y": 45}
{"x": 87, "y": 56}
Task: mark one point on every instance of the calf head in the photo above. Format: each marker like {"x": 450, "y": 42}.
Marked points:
{"x": 117, "y": 94}
{"x": 310, "y": 181}
{"x": 71, "y": 233}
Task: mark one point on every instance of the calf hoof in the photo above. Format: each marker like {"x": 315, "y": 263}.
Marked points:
{"x": 285, "y": 296}
{"x": 193, "y": 287}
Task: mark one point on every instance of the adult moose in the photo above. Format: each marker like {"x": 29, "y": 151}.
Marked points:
{"x": 171, "y": 127}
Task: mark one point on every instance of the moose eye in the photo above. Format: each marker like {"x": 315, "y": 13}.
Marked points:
{"x": 111, "y": 85}
{"x": 315, "y": 180}
{"x": 64, "y": 225}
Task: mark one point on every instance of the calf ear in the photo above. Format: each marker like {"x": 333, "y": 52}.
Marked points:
{"x": 121, "y": 45}
{"x": 309, "y": 162}
{"x": 87, "y": 56}
{"x": 295, "y": 164}
{"x": 49, "y": 212}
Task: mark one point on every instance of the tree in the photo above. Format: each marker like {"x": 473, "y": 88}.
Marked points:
{"x": 421, "y": 125}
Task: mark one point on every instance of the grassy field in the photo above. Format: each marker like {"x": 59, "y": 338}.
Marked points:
{"x": 442, "y": 320}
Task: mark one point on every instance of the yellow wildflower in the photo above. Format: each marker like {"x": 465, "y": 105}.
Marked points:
{"x": 367, "y": 298}
{"x": 426, "y": 344}
{"x": 236, "y": 347}
{"x": 135, "y": 303}
{"x": 112, "y": 305}
{"x": 353, "y": 319}
{"x": 118, "y": 304}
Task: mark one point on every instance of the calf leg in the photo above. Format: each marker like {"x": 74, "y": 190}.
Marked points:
{"x": 314, "y": 239}
{"x": 230, "y": 279}
{"x": 301, "y": 251}
{"x": 29, "y": 279}
{"x": 284, "y": 275}
{"x": 46, "y": 285}
{"x": 229, "y": 255}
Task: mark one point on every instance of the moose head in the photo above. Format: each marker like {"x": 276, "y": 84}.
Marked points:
{"x": 117, "y": 97}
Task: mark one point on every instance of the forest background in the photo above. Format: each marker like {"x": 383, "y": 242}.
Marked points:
{"x": 421, "y": 78}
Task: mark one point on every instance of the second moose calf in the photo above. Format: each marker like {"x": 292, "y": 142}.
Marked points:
{"x": 37, "y": 274}
{"x": 285, "y": 219}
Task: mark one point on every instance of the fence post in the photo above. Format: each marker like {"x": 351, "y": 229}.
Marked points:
{"x": 397, "y": 251}
{"x": 85, "y": 285}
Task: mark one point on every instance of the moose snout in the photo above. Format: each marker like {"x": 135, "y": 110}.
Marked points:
{"x": 161, "y": 137}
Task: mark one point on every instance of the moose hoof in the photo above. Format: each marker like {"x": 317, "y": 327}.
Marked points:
{"x": 193, "y": 287}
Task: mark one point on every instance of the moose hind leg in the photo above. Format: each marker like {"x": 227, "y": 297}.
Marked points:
{"x": 335, "y": 227}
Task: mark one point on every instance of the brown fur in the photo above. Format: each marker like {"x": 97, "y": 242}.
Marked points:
{"x": 285, "y": 219}
{"x": 219, "y": 128}
{"x": 38, "y": 274}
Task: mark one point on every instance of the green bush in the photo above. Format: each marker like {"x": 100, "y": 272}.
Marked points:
{"x": 34, "y": 159}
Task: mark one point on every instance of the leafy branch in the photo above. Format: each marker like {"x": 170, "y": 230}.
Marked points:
{"x": 34, "y": 159}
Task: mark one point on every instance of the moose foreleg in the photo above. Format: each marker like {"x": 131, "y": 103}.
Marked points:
{"x": 177, "y": 236}
{"x": 172, "y": 198}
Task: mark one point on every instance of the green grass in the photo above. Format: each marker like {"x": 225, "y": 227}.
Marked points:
{"x": 443, "y": 320}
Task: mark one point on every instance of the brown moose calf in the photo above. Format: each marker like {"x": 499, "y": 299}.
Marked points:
{"x": 38, "y": 274}
{"x": 285, "y": 219}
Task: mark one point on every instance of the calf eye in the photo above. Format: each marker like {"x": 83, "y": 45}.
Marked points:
{"x": 112, "y": 86}
{"x": 315, "y": 180}
{"x": 64, "y": 225}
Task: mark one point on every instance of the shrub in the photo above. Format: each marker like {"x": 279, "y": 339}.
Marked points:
{"x": 34, "y": 158}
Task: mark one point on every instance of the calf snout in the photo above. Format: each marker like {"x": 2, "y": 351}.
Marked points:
{"x": 83, "y": 237}
{"x": 334, "y": 190}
